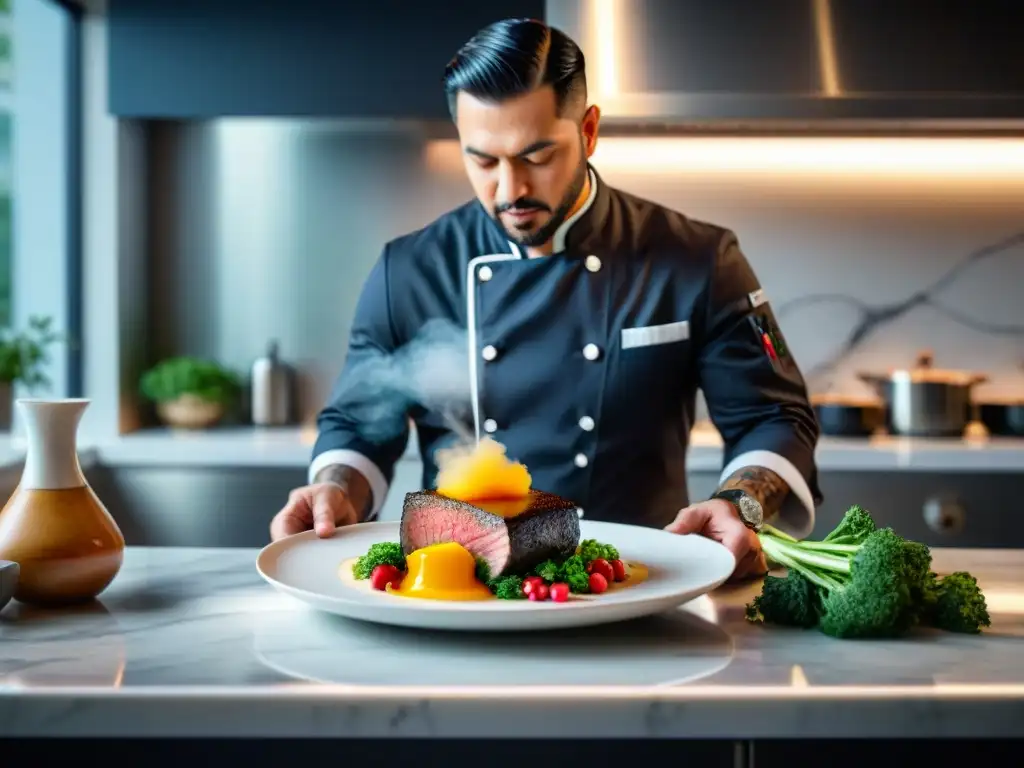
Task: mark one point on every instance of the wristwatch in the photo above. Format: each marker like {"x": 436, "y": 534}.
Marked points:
{"x": 747, "y": 507}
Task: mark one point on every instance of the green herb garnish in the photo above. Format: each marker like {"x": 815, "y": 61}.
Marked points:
{"x": 589, "y": 549}
{"x": 507, "y": 588}
{"x": 382, "y": 553}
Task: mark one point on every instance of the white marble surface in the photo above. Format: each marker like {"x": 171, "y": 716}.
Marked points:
{"x": 292, "y": 447}
{"x": 191, "y": 642}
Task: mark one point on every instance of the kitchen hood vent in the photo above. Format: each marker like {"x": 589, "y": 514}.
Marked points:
{"x": 813, "y": 62}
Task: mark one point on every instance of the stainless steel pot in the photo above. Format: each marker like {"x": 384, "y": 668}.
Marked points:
{"x": 845, "y": 416}
{"x": 925, "y": 401}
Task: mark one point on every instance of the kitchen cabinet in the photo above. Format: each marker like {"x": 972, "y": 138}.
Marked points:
{"x": 742, "y": 61}
{"x": 231, "y": 506}
{"x": 308, "y": 58}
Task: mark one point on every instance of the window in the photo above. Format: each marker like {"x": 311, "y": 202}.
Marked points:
{"x": 6, "y": 71}
{"x": 38, "y": 177}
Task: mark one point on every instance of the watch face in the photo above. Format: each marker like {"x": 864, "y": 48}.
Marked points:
{"x": 750, "y": 510}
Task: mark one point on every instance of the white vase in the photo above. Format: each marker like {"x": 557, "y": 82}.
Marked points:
{"x": 54, "y": 526}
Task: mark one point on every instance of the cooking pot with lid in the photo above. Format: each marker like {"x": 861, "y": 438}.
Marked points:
{"x": 925, "y": 401}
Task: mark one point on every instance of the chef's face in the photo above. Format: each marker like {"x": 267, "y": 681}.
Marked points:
{"x": 527, "y": 164}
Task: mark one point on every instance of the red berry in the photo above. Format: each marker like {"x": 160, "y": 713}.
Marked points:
{"x": 539, "y": 592}
{"x": 559, "y": 591}
{"x": 603, "y": 567}
{"x": 619, "y": 568}
{"x": 530, "y": 584}
{"x": 383, "y": 574}
{"x": 598, "y": 583}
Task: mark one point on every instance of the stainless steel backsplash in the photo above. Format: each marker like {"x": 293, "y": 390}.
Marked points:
{"x": 266, "y": 229}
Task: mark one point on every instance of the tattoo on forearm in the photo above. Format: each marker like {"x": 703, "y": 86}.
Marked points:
{"x": 356, "y": 486}
{"x": 763, "y": 484}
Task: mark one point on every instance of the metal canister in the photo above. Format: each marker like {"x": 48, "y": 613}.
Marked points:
{"x": 273, "y": 387}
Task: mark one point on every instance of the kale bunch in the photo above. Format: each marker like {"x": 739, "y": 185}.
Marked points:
{"x": 862, "y": 581}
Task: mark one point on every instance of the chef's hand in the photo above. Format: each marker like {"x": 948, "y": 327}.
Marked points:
{"x": 717, "y": 519}
{"x": 322, "y": 506}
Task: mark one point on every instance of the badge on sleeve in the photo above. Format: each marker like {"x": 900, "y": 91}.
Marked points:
{"x": 757, "y": 298}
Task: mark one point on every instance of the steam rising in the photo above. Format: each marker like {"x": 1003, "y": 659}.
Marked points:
{"x": 432, "y": 370}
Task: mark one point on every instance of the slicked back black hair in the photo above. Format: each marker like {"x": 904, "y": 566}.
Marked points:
{"x": 515, "y": 56}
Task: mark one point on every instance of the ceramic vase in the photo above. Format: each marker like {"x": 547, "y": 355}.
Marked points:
{"x": 66, "y": 543}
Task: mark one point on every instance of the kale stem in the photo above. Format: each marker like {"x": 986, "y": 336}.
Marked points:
{"x": 781, "y": 556}
{"x": 824, "y": 546}
{"x": 771, "y": 530}
{"x": 801, "y": 554}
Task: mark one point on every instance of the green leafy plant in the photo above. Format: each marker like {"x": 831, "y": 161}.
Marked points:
{"x": 862, "y": 581}
{"x": 178, "y": 376}
{"x": 24, "y": 354}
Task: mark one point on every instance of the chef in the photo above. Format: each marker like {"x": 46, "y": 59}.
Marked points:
{"x": 593, "y": 317}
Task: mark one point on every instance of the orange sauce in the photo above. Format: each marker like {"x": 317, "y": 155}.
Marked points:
{"x": 442, "y": 572}
{"x": 482, "y": 473}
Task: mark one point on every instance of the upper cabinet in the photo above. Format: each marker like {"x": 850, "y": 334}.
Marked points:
{"x": 300, "y": 58}
{"x": 797, "y": 62}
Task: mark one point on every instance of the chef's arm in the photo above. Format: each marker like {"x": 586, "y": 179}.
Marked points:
{"x": 756, "y": 395}
{"x": 353, "y": 482}
{"x": 362, "y": 432}
{"x": 761, "y": 483}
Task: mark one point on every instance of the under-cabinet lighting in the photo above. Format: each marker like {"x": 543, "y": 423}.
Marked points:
{"x": 994, "y": 158}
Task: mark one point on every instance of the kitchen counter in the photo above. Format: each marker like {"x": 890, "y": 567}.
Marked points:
{"x": 291, "y": 448}
{"x": 191, "y": 642}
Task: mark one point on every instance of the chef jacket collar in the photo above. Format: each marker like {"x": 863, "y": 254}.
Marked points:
{"x": 573, "y": 232}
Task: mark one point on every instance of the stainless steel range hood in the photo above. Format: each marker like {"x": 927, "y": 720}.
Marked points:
{"x": 929, "y": 63}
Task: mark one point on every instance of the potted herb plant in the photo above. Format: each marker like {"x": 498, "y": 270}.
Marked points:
{"x": 23, "y": 357}
{"x": 190, "y": 392}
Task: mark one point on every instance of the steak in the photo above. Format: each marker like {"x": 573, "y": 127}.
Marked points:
{"x": 511, "y": 537}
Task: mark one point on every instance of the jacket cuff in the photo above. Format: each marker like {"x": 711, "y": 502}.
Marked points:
{"x": 797, "y": 514}
{"x": 361, "y": 463}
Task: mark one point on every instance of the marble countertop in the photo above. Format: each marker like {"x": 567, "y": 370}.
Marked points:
{"x": 292, "y": 447}
{"x": 191, "y": 643}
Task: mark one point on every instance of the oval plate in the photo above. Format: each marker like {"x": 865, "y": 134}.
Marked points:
{"x": 306, "y": 567}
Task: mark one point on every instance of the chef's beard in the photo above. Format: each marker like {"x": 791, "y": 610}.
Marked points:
{"x": 547, "y": 231}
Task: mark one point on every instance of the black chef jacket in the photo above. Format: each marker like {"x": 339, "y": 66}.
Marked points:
{"x": 585, "y": 364}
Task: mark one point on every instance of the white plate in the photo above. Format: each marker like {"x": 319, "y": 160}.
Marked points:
{"x": 681, "y": 568}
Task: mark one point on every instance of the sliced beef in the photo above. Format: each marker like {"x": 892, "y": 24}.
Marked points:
{"x": 549, "y": 527}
